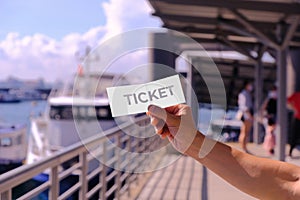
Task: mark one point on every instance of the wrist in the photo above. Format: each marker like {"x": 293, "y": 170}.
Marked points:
{"x": 194, "y": 148}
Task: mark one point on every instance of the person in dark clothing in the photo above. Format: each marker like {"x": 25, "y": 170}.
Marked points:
{"x": 294, "y": 139}
{"x": 270, "y": 109}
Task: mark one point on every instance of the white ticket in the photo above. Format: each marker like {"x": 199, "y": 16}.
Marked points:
{"x": 132, "y": 99}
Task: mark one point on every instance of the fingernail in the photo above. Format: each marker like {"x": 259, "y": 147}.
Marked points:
{"x": 151, "y": 108}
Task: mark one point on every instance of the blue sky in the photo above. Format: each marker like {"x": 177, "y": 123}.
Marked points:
{"x": 55, "y": 18}
{"x": 39, "y": 38}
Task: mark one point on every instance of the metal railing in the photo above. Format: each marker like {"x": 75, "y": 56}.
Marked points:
{"x": 100, "y": 182}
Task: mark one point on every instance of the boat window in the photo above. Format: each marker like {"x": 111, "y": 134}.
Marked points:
{"x": 91, "y": 112}
{"x": 6, "y": 142}
{"x": 54, "y": 112}
{"x": 102, "y": 112}
{"x": 67, "y": 113}
{"x": 19, "y": 140}
{"x": 80, "y": 112}
{"x": 61, "y": 112}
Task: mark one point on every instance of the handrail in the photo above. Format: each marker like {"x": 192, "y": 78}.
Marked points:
{"x": 80, "y": 150}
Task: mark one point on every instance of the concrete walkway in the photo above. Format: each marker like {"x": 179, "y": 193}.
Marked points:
{"x": 185, "y": 179}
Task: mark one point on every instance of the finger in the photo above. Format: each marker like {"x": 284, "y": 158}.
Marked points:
{"x": 164, "y": 134}
{"x": 154, "y": 120}
{"x": 170, "y": 137}
{"x": 162, "y": 114}
{"x": 157, "y": 111}
{"x": 158, "y": 124}
{"x": 159, "y": 127}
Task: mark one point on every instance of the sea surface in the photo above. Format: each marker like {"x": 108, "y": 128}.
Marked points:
{"x": 20, "y": 113}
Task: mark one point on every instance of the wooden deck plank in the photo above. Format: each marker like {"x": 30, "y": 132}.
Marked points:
{"x": 174, "y": 181}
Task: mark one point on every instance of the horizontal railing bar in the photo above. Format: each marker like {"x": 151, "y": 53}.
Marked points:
{"x": 111, "y": 161}
{"x": 68, "y": 171}
{"x": 125, "y": 138}
{"x": 122, "y": 153}
{"x": 124, "y": 188}
{"x": 94, "y": 190}
{"x": 69, "y": 191}
{"x": 110, "y": 147}
{"x": 111, "y": 176}
{"x": 35, "y": 191}
{"x": 133, "y": 177}
{"x": 94, "y": 154}
{"x": 124, "y": 176}
{"x": 94, "y": 173}
{"x": 124, "y": 164}
{"x": 111, "y": 190}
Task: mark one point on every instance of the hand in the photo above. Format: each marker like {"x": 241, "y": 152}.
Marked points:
{"x": 176, "y": 123}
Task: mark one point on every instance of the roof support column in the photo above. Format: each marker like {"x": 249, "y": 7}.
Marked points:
{"x": 258, "y": 83}
{"x": 295, "y": 57}
{"x": 281, "y": 129}
{"x": 162, "y": 61}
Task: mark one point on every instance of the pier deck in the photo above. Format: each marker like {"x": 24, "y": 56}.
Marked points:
{"x": 187, "y": 179}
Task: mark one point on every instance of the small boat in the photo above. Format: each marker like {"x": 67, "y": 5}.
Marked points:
{"x": 6, "y": 97}
{"x": 13, "y": 146}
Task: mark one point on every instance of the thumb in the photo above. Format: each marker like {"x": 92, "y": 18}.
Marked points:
{"x": 161, "y": 113}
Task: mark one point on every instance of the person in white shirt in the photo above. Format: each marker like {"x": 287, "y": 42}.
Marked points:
{"x": 245, "y": 104}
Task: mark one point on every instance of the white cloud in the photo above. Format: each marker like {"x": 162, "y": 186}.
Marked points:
{"x": 126, "y": 15}
{"x": 38, "y": 55}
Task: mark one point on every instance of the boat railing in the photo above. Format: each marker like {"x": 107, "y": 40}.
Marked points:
{"x": 82, "y": 154}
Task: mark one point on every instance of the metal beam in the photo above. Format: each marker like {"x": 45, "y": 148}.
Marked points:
{"x": 237, "y": 48}
{"x": 281, "y": 127}
{"x": 194, "y": 20}
{"x": 251, "y": 66}
{"x": 238, "y": 30}
{"x": 290, "y": 33}
{"x": 251, "y": 27}
{"x": 279, "y": 7}
{"x": 191, "y": 29}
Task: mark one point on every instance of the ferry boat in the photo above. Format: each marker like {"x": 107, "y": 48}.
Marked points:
{"x": 8, "y": 97}
{"x": 13, "y": 146}
{"x": 78, "y": 111}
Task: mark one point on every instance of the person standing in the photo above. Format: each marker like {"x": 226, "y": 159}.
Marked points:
{"x": 294, "y": 102}
{"x": 270, "y": 109}
{"x": 245, "y": 104}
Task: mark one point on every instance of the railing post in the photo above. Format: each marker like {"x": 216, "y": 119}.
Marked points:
{"x": 54, "y": 188}
{"x": 83, "y": 178}
{"x": 118, "y": 164}
{"x": 103, "y": 173}
{"x": 129, "y": 164}
{"x": 6, "y": 195}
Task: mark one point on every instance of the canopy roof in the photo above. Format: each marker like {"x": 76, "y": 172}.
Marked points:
{"x": 252, "y": 28}
{"x": 274, "y": 23}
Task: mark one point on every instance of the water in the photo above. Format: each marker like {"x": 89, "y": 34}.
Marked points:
{"x": 20, "y": 113}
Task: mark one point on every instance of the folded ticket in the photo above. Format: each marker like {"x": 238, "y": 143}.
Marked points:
{"x": 132, "y": 99}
